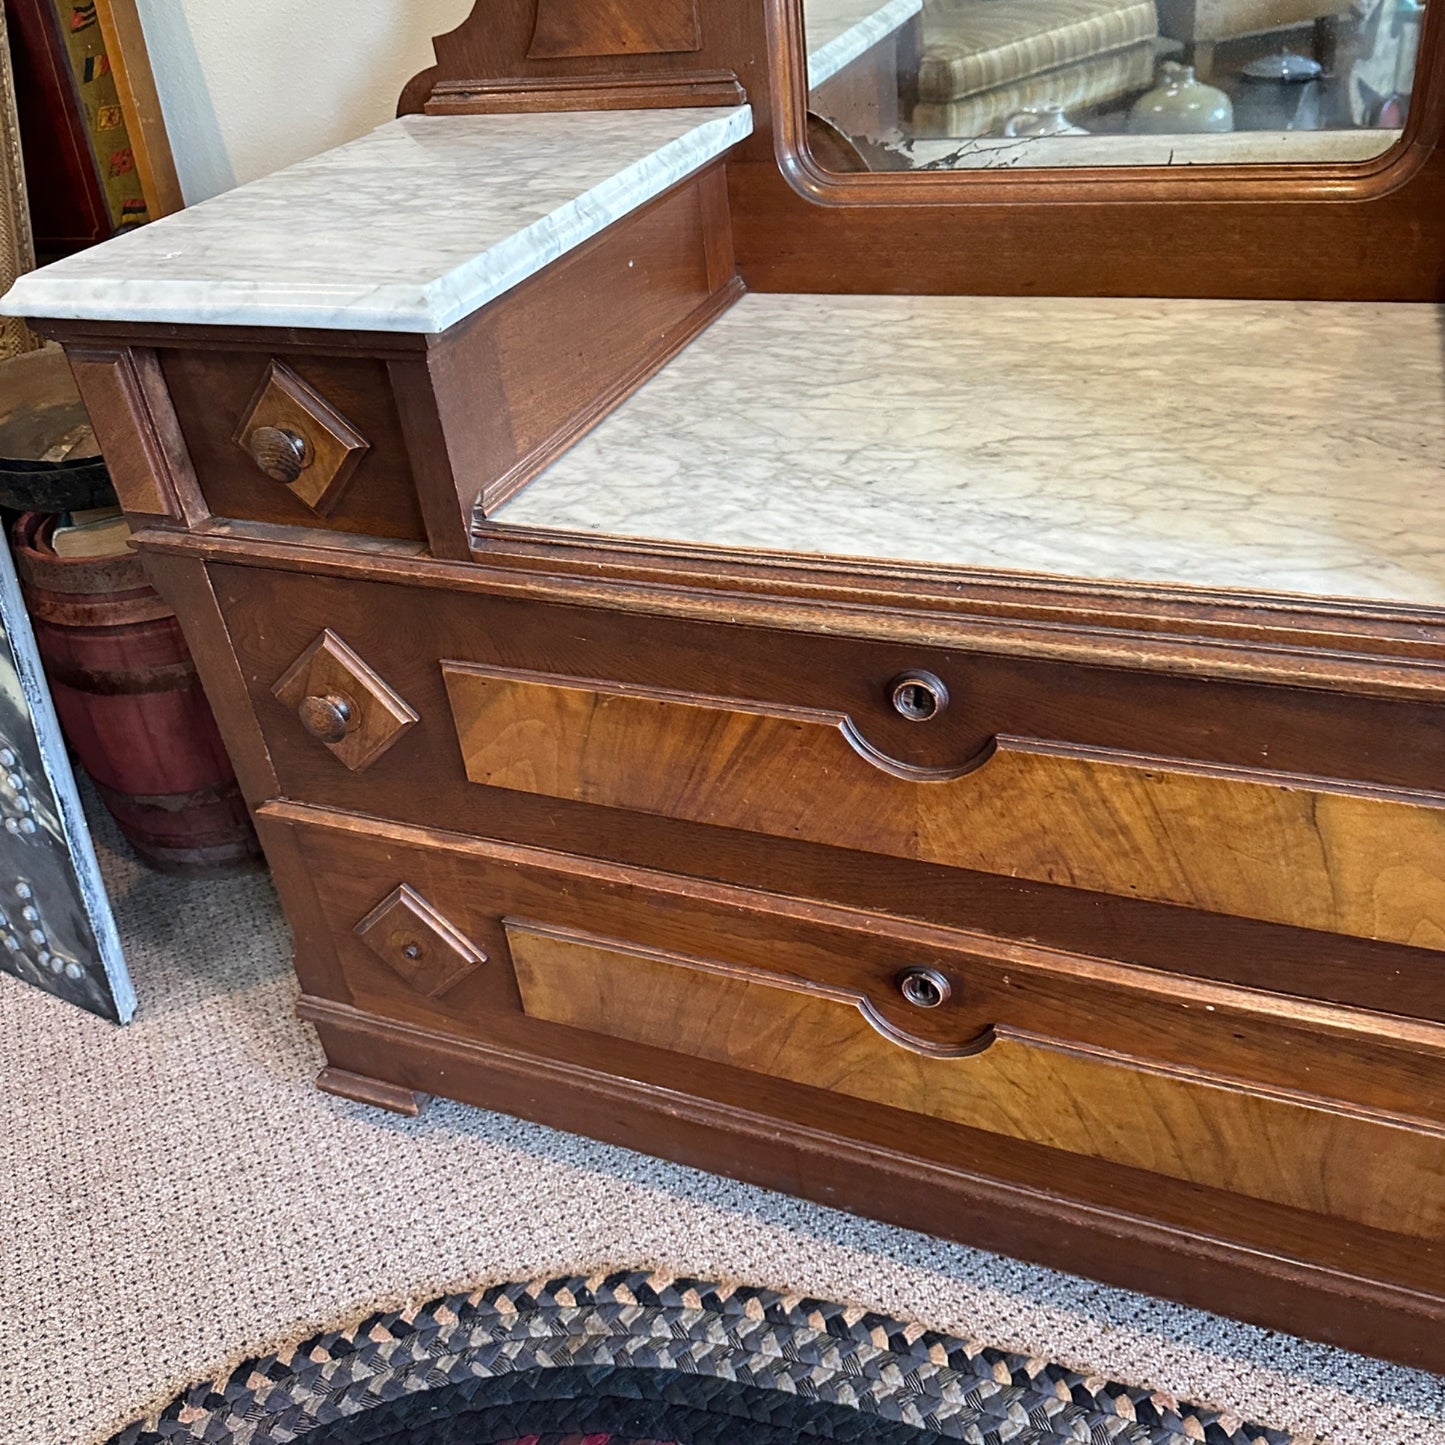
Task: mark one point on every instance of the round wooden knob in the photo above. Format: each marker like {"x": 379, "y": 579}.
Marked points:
{"x": 327, "y": 719}
{"x": 282, "y": 454}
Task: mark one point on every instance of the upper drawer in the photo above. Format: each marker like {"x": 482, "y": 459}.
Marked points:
{"x": 1283, "y": 849}
{"x": 350, "y": 471}
{"x": 1182, "y": 824}
{"x": 409, "y": 437}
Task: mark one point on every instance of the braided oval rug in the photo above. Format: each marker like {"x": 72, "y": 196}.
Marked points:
{"x": 640, "y": 1359}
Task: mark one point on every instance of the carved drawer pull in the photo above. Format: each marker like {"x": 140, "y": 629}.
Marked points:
{"x": 924, "y": 987}
{"x": 343, "y": 703}
{"x": 919, "y": 696}
{"x": 329, "y": 718}
{"x": 281, "y": 453}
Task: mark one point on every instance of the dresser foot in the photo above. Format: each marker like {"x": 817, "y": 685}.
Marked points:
{"x": 376, "y": 1092}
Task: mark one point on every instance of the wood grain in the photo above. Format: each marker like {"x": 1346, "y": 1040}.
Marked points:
{"x": 145, "y": 449}
{"x": 583, "y": 28}
{"x": 1181, "y": 1124}
{"x": 546, "y": 363}
{"x": 1337, "y": 1279}
{"x": 1276, "y": 848}
{"x": 1356, "y": 1057}
{"x": 334, "y": 446}
{"x": 214, "y": 392}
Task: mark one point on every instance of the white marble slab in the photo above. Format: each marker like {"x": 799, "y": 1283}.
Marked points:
{"x": 410, "y": 228}
{"x": 1255, "y": 445}
{"x": 839, "y": 31}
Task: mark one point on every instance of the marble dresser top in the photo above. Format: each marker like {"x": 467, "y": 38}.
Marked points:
{"x": 410, "y": 228}
{"x": 1280, "y": 446}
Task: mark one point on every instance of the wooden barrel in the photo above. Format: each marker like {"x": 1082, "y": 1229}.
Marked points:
{"x": 131, "y": 706}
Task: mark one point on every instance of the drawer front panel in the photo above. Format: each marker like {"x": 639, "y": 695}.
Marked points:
{"x": 1279, "y": 849}
{"x": 803, "y": 824}
{"x": 1293, "y": 1151}
{"x": 1225, "y": 1087}
{"x": 357, "y": 476}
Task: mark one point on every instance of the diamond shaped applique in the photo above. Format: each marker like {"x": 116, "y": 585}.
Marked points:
{"x": 296, "y": 437}
{"x": 418, "y": 943}
{"x": 344, "y": 704}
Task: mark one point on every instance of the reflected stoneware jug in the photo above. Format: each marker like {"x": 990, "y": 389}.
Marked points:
{"x": 1181, "y": 105}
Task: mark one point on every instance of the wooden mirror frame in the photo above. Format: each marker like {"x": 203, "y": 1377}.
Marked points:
{"x": 1366, "y": 230}
{"x": 1371, "y": 230}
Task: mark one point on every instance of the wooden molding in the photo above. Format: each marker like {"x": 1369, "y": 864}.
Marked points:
{"x": 366, "y": 1090}
{"x": 1384, "y": 651}
{"x": 581, "y": 55}
{"x": 377, "y": 716}
{"x": 334, "y": 446}
{"x": 1262, "y": 231}
{"x": 535, "y": 93}
{"x": 1377, "y": 1061}
{"x": 130, "y": 408}
{"x": 1291, "y": 1267}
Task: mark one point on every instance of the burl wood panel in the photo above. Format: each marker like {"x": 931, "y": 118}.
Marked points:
{"x": 1290, "y": 1150}
{"x": 355, "y": 864}
{"x": 1281, "y": 849}
{"x": 614, "y": 27}
{"x": 275, "y": 611}
{"x": 214, "y": 393}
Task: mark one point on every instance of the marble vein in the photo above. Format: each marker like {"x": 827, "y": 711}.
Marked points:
{"x": 839, "y": 31}
{"x": 410, "y": 228}
{"x": 1276, "y": 446}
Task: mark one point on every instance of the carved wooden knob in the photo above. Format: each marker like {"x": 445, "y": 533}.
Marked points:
{"x": 281, "y": 453}
{"x": 327, "y": 719}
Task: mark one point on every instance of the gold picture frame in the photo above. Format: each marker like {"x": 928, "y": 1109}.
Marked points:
{"x": 17, "y": 248}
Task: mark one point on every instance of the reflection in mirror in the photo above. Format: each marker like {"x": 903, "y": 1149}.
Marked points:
{"x": 973, "y": 84}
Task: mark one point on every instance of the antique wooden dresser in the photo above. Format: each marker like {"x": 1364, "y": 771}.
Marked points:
{"x": 970, "y": 758}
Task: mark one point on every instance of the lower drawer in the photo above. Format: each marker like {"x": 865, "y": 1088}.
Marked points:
{"x": 942, "y": 1039}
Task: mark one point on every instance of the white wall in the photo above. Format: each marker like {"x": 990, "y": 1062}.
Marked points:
{"x": 248, "y": 86}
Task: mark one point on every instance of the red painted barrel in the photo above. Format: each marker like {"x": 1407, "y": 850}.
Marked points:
{"x": 131, "y": 706}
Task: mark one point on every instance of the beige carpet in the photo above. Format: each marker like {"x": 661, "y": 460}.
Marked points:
{"x": 176, "y": 1196}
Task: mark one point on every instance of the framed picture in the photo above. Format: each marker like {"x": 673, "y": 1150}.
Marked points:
{"x": 56, "y": 927}
{"x": 97, "y": 159}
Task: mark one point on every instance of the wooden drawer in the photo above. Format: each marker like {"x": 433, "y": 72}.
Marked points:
{"x": 1259, "y": 835}
{"x": 647, "y": 975}
{"x": 1305, "y": 852}
{"x": 399, "y": 436}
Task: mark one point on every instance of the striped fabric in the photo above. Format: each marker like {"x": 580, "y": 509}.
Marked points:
{"x": 1092, "y": 81}
{"x": 972, "y": 46}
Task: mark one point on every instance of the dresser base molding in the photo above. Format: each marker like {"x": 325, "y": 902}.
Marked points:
{"x": 1260, "y": 1286}
{"x": 376, "y": 1092}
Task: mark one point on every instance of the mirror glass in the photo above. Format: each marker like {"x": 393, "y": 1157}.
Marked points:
{"x": 974, "y": 84}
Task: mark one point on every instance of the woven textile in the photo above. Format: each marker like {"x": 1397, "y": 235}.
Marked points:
{"x": 1087, "y": 82}
{"x": 977, "y": 45}
{"x": 645, "y": 1357}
